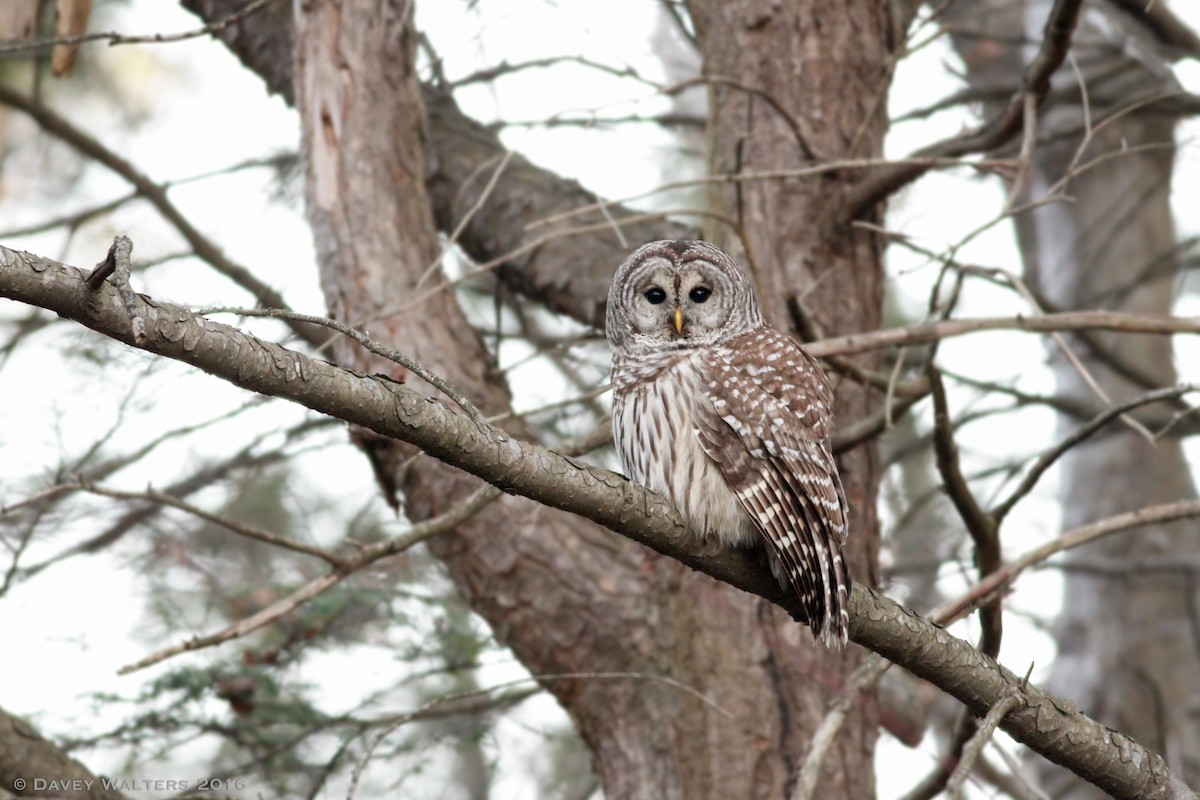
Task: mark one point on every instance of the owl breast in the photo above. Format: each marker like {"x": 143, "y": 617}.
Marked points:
{"x": 656, "y": 440}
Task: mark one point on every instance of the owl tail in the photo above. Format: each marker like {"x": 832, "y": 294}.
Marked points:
{"x": 823, "y": 586}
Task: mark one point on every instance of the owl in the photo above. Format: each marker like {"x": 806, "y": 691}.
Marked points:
{"x": 729, "y": 419}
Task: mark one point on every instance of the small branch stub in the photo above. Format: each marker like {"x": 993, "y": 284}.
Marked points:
{"x": 117, "y": 264}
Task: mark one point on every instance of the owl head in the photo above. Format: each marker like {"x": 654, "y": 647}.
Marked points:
{"x": 679, "y": 295}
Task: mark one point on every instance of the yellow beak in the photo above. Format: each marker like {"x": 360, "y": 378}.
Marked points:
{"x": 678, "y": 320}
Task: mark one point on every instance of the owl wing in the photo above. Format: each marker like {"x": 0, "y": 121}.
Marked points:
{"x": 762, "y": 413}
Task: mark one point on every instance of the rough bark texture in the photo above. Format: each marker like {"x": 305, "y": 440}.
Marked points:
{"x": 25, "y": 757}
{"x": 1127, "y": 652}
{"x": 791, "y": 83}
{"x": 564, "y": 593}
{"x": 565, "y": 596}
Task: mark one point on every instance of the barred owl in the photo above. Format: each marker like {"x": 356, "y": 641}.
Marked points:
{"x": 729, "y": 419}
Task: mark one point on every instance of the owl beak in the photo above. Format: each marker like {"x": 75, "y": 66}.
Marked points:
{"x": 678, "y": 320}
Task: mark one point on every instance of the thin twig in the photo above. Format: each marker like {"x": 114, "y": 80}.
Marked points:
{"x": 1080, "y": 434}
{"x": 466, "y": 220}
{"x": 926, "y": 332}
{"x": 1030, "y": 791}
{"x": 893, "y": 379}
{"x": 378, "y": 348}
{"x": 535, "y": 244}
{"x": 204, "y": 248}
{"x": 1008, "y": 279}
{"x": 240, "y": 528}
{"x": 847, "y": 437}
{"x": 975, "y": 746}
{"x": 348, "y": 566}
{"x": 1022, "y": 288}
{"x": 424, "y": 709}
{"x": 114, "y": 38}
{"x": 1056, "y": 41}
{"x": 816, "y": 170}
{"x": 38, "y": 497}
{"x": 1025, "y": 157}
{"x": 864, "y": 677}
{"x": 996, "y": 582}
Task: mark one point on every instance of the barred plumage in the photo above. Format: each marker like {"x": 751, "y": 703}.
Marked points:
{"x": 729, "y": 419}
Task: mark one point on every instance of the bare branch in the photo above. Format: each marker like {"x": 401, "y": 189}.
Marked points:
{"x": 863, "y": 679}
{"x": 114, "y": 38}
{"x": 1003, "y": 577}
{"x": 431, "y": 707}
{"x": 201, "y": 478}
{"x": 1056, "y": 41}
{"x": 982, "y": 527}
{"x": 378, "y": 348}
{"x": 156, "y": 195}
{"x": 343, "y": 569}
{"x": 1111, "y": 761}
{"x": 975, "y": 746}
{"x": 925, "y": 332}
{"x": 1166, "y": 27}
{"x": 1082, "y": 433}
{"x": 240, "y": 528}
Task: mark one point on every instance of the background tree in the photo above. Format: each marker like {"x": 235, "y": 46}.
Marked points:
{"x": 446, "y": 246}
{"x": 1113, "y": 246}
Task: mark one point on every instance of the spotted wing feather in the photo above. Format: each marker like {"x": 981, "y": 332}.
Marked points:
{"x": 763, "y": 415}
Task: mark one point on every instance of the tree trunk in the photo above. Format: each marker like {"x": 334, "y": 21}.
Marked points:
{"x": 1127, "y": 653}
{"x": 565, "y": 595}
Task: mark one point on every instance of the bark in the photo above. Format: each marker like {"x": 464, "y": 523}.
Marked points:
{"x": 791, "y": 83}
{"x": 26, "y": 756}
{"x": 1048, "y": 725}
{"x": 564, "y": 595}
{"x": 569, "y": 273}
{"x": 1127, "y": 651}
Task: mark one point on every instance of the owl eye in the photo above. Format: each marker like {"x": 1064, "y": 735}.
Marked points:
{"x": 655, "y": 295}
{"x": 700, "y": 294}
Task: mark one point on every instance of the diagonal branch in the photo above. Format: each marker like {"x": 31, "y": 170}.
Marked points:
{"x": 1056, "y": 41}
{"x": 935, "y": 330}
{"x": 1106, "y": 758}
{"x": 115, "y": 38}
{"x": 344, "y": 568}
{"x": 204, "y": 248}
{"x": 1084, "y": 432}
{"x": 240, "y": 528}
{"x": 998, "y": 581}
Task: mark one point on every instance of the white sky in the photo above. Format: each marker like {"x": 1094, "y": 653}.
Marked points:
{"x": 67, "y": 631}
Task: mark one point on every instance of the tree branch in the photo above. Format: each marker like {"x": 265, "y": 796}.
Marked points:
{"x": 997, "y": 581}
{"x": 1056, "y": 41}
{"x": 25, "y": 754}
{"x": 1049, "y": 726}
{"x": 115, "y": 38}
{"x": 925, "y": 332}
{"x": 205, "y": 248}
